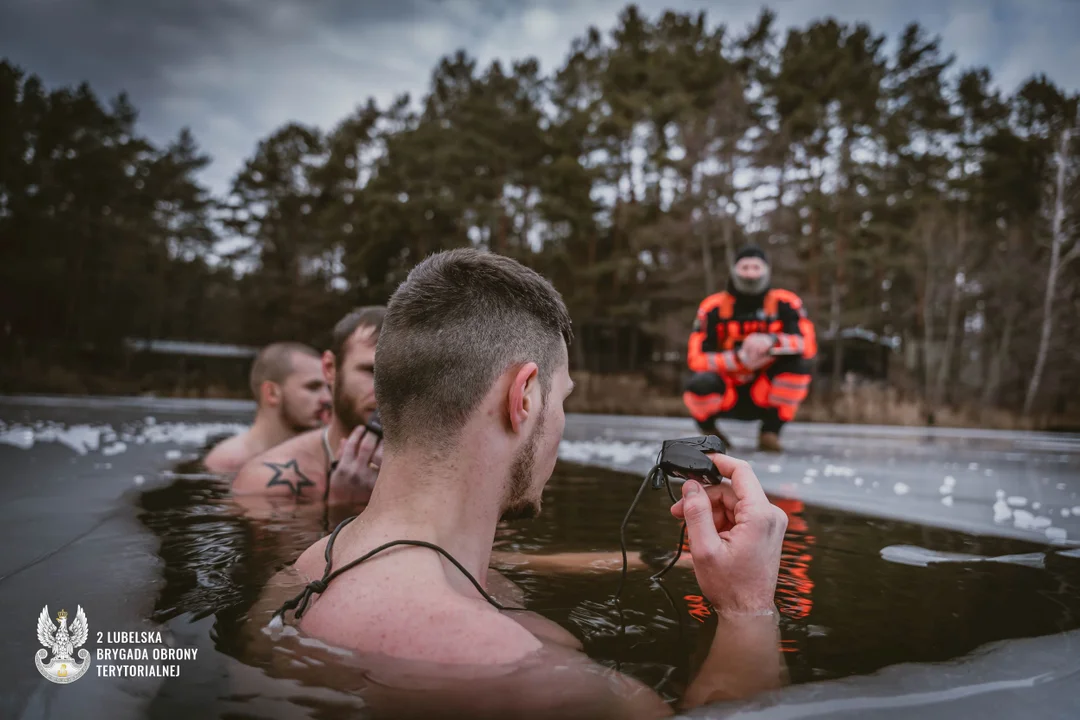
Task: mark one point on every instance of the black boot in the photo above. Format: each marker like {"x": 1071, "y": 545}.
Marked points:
{"x": 708, "y": 427}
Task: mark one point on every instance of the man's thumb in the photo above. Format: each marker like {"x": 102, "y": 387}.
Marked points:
{"x": 697, "y": 508}
{"x": 697, "y": 511}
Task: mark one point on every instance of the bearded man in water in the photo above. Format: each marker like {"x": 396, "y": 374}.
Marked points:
{"x": 290, "y": 396}
{"x": 473, "y": 373}
{"x": 338, "y": 463}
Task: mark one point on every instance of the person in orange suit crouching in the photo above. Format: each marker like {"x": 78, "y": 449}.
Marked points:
{"x": 750, "y": 351}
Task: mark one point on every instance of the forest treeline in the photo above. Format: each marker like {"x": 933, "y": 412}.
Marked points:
{"x": 895, "y": 190}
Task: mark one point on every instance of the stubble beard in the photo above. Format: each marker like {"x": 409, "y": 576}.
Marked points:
{"x": 345, "y": 409}
{"x": 519, "y": 505}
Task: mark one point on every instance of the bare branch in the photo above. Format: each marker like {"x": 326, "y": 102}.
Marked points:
{"x": 1071, "y": 255}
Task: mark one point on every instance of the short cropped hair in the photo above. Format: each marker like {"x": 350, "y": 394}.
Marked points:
{"x": 460, "y": 319}
{"x": 370, "y": 316}
{"x": 274, "y": 363}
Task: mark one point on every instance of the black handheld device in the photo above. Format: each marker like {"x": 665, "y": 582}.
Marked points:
{"x": 686, "y": 458}
{"x": 374, "y": 424}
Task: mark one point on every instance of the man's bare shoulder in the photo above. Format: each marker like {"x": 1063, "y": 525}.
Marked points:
{"x": 443, "y": 629}
{"x": 295, "y": 467}
{"x": 229, "y": 455}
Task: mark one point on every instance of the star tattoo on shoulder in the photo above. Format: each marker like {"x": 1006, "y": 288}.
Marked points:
{"x": 289, "y": 474}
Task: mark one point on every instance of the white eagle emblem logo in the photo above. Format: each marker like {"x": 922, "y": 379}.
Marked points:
{"x": 62, "y": 642}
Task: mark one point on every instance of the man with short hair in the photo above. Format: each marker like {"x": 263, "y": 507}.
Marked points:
{"x": 302, "y": 467}
{"x": 290, "y": 397}
{"x": 750, "y": 351}
{"x": 473, "y": 372}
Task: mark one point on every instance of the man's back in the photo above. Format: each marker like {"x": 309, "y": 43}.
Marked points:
{"x": 402, "y": 603}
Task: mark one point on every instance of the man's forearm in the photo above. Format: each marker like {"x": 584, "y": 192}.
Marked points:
{"x": 744, "y": 659}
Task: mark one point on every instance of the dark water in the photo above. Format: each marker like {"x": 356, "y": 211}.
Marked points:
{"x": 845, "y": 610}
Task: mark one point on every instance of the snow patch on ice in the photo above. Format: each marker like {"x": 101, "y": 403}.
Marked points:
{"x": 615, "y": 451}
{"x": 1002, "y": 511}
{"x": 20, "y": 437}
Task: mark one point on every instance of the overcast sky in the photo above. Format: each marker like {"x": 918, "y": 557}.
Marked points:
{"x": 234, "y": 70}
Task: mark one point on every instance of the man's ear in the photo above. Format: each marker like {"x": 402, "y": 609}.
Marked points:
{"x": 523, "y": 398}
{"x": 329, "y": 367}
{"x": 270, "y": 393}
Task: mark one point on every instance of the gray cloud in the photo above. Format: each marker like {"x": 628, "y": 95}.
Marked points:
{"x": 233, "y": 70}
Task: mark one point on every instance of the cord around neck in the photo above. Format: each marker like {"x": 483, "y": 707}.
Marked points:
{"x": 301, "y": 601}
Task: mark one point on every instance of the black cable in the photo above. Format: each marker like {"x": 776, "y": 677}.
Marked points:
{"x": 626, "y": 520}
{"x": 649, "y": 479}
{"x": 678, "y": 554}
{"x": 300, "y": 602}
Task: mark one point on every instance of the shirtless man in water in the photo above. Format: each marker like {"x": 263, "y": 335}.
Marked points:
{"x": 340, "y": 462}
{"x": 290, "y": 396}
{"x": 472, "y": 377}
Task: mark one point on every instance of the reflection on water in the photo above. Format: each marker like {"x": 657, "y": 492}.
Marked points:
{"x": 846, "y": 609}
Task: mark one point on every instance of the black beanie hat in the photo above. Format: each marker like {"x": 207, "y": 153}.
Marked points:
{"x": 751, "y": 251}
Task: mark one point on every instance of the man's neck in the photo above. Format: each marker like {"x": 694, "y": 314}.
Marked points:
{"x": 454, "y": 503}
{"x": 336, "y": 436}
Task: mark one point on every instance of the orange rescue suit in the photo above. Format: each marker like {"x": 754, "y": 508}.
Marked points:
{"x": 721, "y": 325}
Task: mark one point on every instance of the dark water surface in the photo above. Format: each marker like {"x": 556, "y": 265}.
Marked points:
{"x": 856, "y": 594}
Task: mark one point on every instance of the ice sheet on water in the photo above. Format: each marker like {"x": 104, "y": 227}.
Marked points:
{"x": 922, "y": 557}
